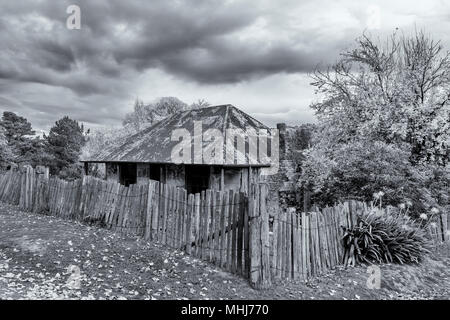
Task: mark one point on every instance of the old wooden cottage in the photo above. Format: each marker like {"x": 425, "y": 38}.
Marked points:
{"x": 218, "y": 147}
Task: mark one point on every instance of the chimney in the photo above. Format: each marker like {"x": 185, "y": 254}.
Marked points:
{"x": 282, "y": 136}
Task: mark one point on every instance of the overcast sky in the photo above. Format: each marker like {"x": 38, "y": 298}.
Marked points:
{"x": 254, "y": 54}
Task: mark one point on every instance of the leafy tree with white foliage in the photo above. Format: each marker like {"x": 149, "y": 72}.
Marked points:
{"x": 384, "y": 121}
{"x": 397, "y": 93}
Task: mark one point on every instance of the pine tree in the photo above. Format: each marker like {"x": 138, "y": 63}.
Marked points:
{"x": 20, "y": 146}
{"x": 6, "y": 155}
{"x": 64, "y": 143}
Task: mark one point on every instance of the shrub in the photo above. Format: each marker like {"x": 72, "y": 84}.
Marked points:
{"x": 72, "y": 172}
{"x": 383, "y": 236}
{"x": 360, "y": 168}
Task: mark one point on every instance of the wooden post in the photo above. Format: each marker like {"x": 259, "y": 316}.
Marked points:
{"x": 307, "y": 242}
{"x": 189, "y": 217}
{"x": 234, "y": 233}
{"x": 197, "y": 221}
{"x": 295, "y": 241}
{"x": 244, "y": 200}
{"x": 148, "y": 216}
{"x": 218, "y": 232}
{"x": 86, "y": 168}
{"x": 306, "y": 200}
{"x": 240, "y": 229}
{"x": 212, "y": 236}
{"x": 155, "y": 211}
{"x": 260, "y": 276}
{"x": 206, "y": 208}
{"x": 288, "y": 244}
{"x": 223, "y": 227}
{"x": 230, "y": 229}
{"x": 279, "y": 264}
{"x": 222, "y": 179}
{"x": 444, "y": 226}
{"x": 283, "y": 244}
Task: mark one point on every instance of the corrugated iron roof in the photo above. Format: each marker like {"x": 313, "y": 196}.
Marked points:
{"x": 154, "y": 144}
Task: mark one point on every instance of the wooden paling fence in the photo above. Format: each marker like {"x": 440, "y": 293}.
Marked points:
{"x": 439, "y": 228}
{"x": 211, "y": 225}
{"x": 308, "y": 244}
{"x": 230, "y": 229}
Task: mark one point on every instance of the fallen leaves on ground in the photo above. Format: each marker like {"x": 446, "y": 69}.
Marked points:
{"x": 44, "y": 257}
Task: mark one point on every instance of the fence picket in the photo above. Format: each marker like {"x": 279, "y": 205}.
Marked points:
{"x": 189, "y": 223}
{"x": 165, "y": 213}
{"x": 229, "y": 230}
{"x": 203, "y": 226}
{"x": 223, "y": 225}
{"x": 245, "y": 206}
{"x": 289, "y": 244}
{"x": 240, "y": 237}
{"x": 274, "y": 247}
{"x": 197, "y": 223}
{"x": 234, "y": 233}
{"x": 295, "y": 251}
{"x": 284, "y": 261}
{"x": 175, "y": 216}
{"x": 217, "y": 230}
{"x": 155, "y": 202}
{"x": 212, "y": 232}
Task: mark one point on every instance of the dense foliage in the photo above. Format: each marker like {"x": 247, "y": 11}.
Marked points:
{"x": 6, "y": 154}
{"x": 18, "y": 143}
{"x": 59, "y": 150}
{"x": 64, "y": 143}
{"x": 384, "y": 124}
{"x": 382, "y": 237}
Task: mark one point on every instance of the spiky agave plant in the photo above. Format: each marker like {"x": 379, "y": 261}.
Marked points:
{"x": 384, "y": 237}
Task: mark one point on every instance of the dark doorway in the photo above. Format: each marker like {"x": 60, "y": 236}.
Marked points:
{"x": 197, "y": 178}
{"x": 155, "y": 172}
{"x": 128, "y": 173}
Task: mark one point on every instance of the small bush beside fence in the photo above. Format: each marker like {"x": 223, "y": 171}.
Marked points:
{"x": 309, "y": 244}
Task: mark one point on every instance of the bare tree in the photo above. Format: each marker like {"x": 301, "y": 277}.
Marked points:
{"x": 199, "y": 104}
{"x": 145, "y": 115}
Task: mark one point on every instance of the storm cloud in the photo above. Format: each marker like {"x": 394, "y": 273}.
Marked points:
{"x": 218, "y": 50}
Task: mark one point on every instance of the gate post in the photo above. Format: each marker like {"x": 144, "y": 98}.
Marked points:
{"x": 259, "y": 246}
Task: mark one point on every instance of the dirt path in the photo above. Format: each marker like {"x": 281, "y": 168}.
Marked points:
{"x": 44, "y": 257}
